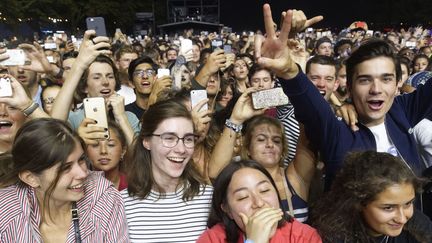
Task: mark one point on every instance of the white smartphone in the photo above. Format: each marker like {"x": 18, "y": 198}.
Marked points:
{"x": 16, "y": 58}
{"x": 185, "y": 45}
{"x": 50, "y": 59}
{"x": 94, "y": 108}
{"x": 163, "y": 72}
{"x": 50, "y": 46}
{"x": 197, "y": 96}
{"x": 5, "y": 87}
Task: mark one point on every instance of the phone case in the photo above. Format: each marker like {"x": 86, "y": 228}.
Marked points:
{"x": 16, "y": 58}
{"x": 197, "y": 96}
{"x": 94, "y": 108}
{"x": 269, "y": 98}
{"x": 97, "y": 24}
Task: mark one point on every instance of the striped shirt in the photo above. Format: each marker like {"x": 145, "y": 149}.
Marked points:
{"x": 101, "y": 213}
{"x": 167, "y": 219}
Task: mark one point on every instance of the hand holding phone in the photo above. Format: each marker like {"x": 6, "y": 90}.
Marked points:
{"x": 94, "y": 108}
{"x": 97, "y": 24}
{"x": 5, "y": 87}
{"x": 197, "y": 96}
{"x": 16, "y": 58}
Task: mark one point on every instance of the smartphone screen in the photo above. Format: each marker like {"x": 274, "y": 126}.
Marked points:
{"x": 163, "y": 72}
{"x": 185, "y": 45}
{"x": 97, "y": 24}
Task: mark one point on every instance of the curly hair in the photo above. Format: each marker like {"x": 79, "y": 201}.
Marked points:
{"x": 338, "y": 216}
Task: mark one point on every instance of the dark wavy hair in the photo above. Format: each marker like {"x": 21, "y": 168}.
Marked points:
{"x": 221, "y": 183}
{"x": 338, "y": 216}
{"x": 138, "y": 159}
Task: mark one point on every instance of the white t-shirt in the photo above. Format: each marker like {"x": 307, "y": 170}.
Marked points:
{"x": 382, "y": 139}
{"x": 128, "y": 93}
{"x": 423, "y": 136}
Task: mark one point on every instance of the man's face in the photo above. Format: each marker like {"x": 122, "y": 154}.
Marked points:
{"x": 171, "y": 55}
{"x": 324, "y": 49}
{"x": 144, "y": 77}
{"x": 374, "y": 87}
{"x": 125, "y": 60}
{"x": 213, "y": 85}
{"x": 324, "y": 78}
{"x": 262, "y": 80}
{"x": 26, "y": 77}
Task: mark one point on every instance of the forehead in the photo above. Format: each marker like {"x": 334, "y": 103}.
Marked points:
{"x": 178, "y": 125}
{"x": 261, "y": 74}
{"x": 246, "y": 178}
{"x": 320, "y": 69}
{"x": 144, "y": 66}
{"x": 240, "y": 61}
{"x": 129, "y": 55}
{"x": 267, "y": 129}
{"x": 100, "y": 67}
{"x": 324, "y": 44}
{"x": 396, "y": 194}
{"x": 376, "y": 66}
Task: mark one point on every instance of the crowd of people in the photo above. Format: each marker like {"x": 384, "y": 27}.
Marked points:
{"x": 346, "y": 159}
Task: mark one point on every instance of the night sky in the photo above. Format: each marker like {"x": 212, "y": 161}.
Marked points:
{"x": 241, "y": 14}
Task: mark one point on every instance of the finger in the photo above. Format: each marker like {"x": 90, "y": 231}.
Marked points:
{"x": 259, "y": 39}
{"x": 313, "y": 20}
{"x": 244, "y": 218}
{"x": 286, "y": 26}
{"x": 89, "y": 34}
{"x": 345, "y": 115}
{"x": 88, "y": 121}
{"x": 268, "y": 22}
{"x": 200, "y": 104}
{"x": 98, "y": 39}
{"x": 101, "y": 45}
{"x": 354, "y": 127}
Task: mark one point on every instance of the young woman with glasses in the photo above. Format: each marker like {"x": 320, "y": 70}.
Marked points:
{"x": 166, "y": 199}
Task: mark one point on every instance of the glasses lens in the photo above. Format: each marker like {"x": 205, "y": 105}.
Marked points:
{"x": 189, "y": 141}
{"x": 169, "y": 140}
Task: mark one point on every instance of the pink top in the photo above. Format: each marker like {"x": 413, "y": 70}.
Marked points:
{"x": 291, "y": 232}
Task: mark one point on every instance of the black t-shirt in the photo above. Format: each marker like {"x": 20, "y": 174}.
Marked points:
{"x": 134, "y": 108}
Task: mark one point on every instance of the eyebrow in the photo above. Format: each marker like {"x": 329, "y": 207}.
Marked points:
{"x": 368, "y": 76}
{"x": 389, "y": 204}
{"x": 245, "y": 188}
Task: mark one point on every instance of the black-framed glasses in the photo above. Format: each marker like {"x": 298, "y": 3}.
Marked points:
{"x": 140, "y": 73}
{"x": 170, "y": 140}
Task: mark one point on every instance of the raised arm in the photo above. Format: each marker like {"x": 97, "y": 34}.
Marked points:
{"x": 224, "y": 148}
{"x": 89, "y": 50}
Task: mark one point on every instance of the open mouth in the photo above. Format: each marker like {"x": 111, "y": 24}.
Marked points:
{"x": 177, "y": 160}
{"x": 5, "y": 125}
{"x": 375, "y": 104}
{"x": 322, "y": 92}
{"x": 105, "y": 91}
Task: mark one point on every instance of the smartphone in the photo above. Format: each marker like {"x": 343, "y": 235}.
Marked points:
{"x": 227, "y": 49}
{"x": 5, "y": 87}
{"x": 269, "y": 98}
{"x": 410, "y": 44}
{"x": 17, "y": 57}
{"x": 50, "y": 46}
{"x": 163, "y": 72}
{"x": 97, "y": 24}
{"x": 50, "y": 59}
{"x": 197, "y": 96}
{"x": 369, "y": 32}
{"x": 94, "y": 108}
{"x": 185, "y": 45}
{"x": 217, "y": 44}
{"x": 309, "y": 30}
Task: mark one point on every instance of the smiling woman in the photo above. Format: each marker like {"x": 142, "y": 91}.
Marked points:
{"x": 52, "y": 196}
{"x": 166, "y": 199}
{"x": 372, "y": 201}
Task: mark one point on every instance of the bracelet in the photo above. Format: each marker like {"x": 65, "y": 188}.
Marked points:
{"x": 236, "y": 128}
{"x": 30, "y": 109}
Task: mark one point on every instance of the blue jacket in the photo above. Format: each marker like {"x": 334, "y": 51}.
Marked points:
{"x": 333, "y": 138}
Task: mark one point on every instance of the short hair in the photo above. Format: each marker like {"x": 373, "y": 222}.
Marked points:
{"x": 134, "y": 64}
{"x": 123, "y": 50}
{"x": 371, "y": 49}
{"x": 322, "y": 60}
{"x": 80, "y": 91}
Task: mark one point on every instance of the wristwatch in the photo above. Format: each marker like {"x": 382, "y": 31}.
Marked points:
{"x": 30, "y": 109}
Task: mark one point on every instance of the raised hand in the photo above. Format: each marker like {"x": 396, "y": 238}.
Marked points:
{"x": 91, "y": 47}
{"x": 39, "y": 62}
{"x": 91, "y": 134}
{"x": 272, "y": 52}
{"x": 243, "y": 109}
